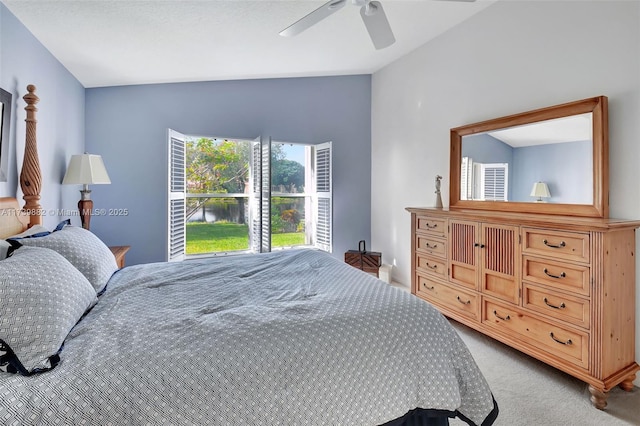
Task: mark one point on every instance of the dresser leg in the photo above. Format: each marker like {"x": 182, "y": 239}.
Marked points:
{"x": 598, "y": 397}
{"x": 627, "y": 383}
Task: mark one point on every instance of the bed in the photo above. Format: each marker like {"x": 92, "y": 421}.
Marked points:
{"x": 293, "y": 337}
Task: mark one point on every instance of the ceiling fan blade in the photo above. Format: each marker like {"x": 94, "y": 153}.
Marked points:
{"x": 313, "y": 18}
{"x": 377, "y": 24}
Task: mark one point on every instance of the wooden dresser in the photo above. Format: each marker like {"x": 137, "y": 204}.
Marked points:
{"x": 561, "y": 289}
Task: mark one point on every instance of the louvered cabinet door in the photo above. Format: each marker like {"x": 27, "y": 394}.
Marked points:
{"x": 500, "y": 257}
{"x": 464, "y": 241}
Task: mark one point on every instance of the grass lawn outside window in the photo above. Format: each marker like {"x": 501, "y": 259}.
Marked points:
{"x": 203, "y": 237}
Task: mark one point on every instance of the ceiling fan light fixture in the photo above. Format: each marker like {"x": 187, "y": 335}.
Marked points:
{"x": 370, "y": 9}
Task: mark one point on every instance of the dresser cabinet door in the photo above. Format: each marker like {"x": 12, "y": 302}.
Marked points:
{"x": 464, "y": 240}
{"x": 485, "y": 257}
{"x": 500, "y": 253}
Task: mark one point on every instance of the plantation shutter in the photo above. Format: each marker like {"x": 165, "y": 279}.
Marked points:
{"x": 265, "y": 196}
{"x": 177, "y": 197}
{"x": 323, "y": 192}
{"x": 255, "y": 202}
{"x": 466, "y": 179}
{"x": 494, "y": 181}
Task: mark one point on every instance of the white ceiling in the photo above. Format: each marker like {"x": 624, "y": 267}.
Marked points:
{"x": 575, "y": 128}
{"x": 122, "y": 42}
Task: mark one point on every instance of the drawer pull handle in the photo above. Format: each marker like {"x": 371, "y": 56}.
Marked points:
{"x": 431, "y": 226}
{"x": 432, "y": 266}
{"x": 568, "y": 342}
{"x": 561, "y": 245}
{"x": 430, "y": 246}
{"x": 507, "y": 318}
{"x": 562, "y": 305}
{"x": 468, "y": 302}
{"x": 562, "y": 275}
{"x": 428, "y": 288}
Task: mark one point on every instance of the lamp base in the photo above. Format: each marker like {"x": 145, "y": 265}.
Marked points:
{"x": 85, "y": 207}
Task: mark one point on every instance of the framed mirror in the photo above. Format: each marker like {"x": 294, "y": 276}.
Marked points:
{"x": 5, "y": 121}
{"x": 553, "y": 160}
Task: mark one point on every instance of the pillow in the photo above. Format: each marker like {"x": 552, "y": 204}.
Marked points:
{"x": 4, "y": 249}
{"x": 7, "y": 248}
{"x": 34, "y": 231}
{"x": 42, "y": 296}
{"x": 83, "y": 249}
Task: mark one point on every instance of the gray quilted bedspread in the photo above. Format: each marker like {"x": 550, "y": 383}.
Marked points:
{"x": 288, "y": 338}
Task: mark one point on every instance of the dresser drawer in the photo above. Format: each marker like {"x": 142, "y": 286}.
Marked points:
{"x": 431, "y": 265}
{"x": 560, "y": 275}
{"x": 561, "y": 245}
{"x": 561, "y": 306}
{"x": 431, "y": 245}
{"x": 431, "y": 226}
{"x": 558, "y": 340}
{"x": 452, "y": 298}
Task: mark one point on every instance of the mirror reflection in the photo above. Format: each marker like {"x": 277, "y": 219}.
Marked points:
{"x": 548, "y": 161}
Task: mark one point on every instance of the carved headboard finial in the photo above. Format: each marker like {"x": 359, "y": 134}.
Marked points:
{"x": 30, "y": 176}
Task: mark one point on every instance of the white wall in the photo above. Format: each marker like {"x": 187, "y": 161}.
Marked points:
{"x": 509, "y": 58}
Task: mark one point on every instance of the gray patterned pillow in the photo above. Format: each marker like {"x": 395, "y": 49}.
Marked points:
{"x": 4, "y": 249}
{"x": 83, "y": 249}
{"x": 42, "y": 296}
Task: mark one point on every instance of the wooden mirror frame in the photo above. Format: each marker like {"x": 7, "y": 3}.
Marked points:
{"x": 600, "y": 132}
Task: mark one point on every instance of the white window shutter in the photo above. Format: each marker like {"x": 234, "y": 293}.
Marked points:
{"x": 494, "y": 181}
{"x": 466, "y": 178}
{"x": 177, "y": 197}
{"x": 323, "y": 195}
{"x": 255, "y": 183}
{"x": 265, "y": 196}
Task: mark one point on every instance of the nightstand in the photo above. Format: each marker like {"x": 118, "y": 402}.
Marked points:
{"x": 119, "y": 252}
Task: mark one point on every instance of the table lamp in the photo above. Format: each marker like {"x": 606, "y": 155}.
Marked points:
{"x": 540, "y": 190}
{"x": 86, "y": 169}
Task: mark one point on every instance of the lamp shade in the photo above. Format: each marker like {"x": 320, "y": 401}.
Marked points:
{"x": 540, "y": 189}
{"x": 86, "y": 169}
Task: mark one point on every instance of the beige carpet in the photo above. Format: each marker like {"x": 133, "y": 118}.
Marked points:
{"x": 529, "y": 392}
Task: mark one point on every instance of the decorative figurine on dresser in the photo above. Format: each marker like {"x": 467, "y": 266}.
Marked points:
{"x": 438, "y": 195}
{"x": 555, "y": 280}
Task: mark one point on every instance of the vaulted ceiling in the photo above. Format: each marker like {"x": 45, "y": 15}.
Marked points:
{"x": 122, "y": 42}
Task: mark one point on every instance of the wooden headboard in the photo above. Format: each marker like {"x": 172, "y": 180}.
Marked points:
{"x": 14, "y": 219}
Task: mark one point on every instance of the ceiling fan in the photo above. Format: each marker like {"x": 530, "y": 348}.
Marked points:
{"x": 372, "y": 14}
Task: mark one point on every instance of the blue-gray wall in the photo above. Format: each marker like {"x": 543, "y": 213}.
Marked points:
{"x": 24, "y": 61}
{"x": 128, "y": 125}
{"x": 566, "y": 168}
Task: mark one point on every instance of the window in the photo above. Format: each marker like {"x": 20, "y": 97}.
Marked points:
{"x": 483, "y": 181}
{"x": 247, "y": 196}
{"x": 492, "y": 181}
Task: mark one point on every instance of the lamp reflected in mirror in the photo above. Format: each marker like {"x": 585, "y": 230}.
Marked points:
{"x": 540, "y": 190}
